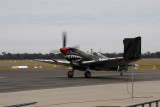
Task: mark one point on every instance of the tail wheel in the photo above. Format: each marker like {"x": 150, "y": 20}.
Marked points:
{"x": 70, "y": 74}
{"x": 87, "y": 74}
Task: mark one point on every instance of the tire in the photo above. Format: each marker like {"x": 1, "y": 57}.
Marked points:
{"x": 87, "y": 74}
{"x": 70, "y": 74}
{"x": 121, "y": 73}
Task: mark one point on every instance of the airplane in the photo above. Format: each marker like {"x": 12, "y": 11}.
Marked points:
{"x": 79, "y": 60}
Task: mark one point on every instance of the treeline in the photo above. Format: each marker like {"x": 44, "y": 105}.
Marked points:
{"x": 20, "y": 56}
{"x": 144, "y": 55}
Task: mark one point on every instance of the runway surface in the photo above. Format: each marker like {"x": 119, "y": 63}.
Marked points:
{"x": 12, "y": 80}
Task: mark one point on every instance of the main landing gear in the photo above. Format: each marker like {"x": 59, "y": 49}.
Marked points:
{"x": 87, "y": 74}
{"x": 121, "y": 72}
{"x": 70, "y": 74}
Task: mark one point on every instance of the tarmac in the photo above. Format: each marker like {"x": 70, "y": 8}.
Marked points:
{"x": 51, "y": 88}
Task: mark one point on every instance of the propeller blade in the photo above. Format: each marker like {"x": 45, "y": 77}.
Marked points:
{"x": 76, "y": 47}
{"x": 54, "y": 51}
{"x": 64, "y": 39}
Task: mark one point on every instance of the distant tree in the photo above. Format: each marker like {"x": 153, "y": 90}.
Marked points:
{"x": 158, "y": 54}
{"x": 21, "y": 56}
{"x": 3, "y": 53}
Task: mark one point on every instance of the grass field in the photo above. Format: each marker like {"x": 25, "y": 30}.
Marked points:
{"x": 30, "y": 63}
{"x": 143, "y": 64}
{"x": 147, "y": 64}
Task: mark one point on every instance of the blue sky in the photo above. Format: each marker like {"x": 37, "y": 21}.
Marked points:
{"x": 37, "y": 25}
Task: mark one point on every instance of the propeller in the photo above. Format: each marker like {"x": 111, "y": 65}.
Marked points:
{"x": 76, "y": 47}
{"x": 64, "y": 39}
{"x": 65, "y": 49}
{"x": 54, "y": 51}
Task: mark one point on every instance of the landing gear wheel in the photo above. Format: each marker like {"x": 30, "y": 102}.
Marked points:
{"x": 121, "y": 73}
{"x": 70, "y": 74}
{"x": 87, "y": 74}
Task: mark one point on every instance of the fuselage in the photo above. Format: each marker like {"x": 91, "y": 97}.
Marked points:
{"x": 75, "y": 55}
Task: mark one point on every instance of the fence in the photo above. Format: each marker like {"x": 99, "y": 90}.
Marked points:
{"x": 145, "y": 103}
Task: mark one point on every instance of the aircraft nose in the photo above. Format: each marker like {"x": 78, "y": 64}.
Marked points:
{"x": 64, "y": 50}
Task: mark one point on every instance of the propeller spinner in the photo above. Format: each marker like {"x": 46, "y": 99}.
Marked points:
{"x": 64, "y": 49}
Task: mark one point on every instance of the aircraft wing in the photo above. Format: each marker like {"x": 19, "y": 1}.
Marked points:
{"x": 65, "y": 63}
{"x": 103, "y": 63}
{"x": 108, "y": 63}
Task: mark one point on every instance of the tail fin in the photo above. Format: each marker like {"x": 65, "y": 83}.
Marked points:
{"x": 132, "y": 48}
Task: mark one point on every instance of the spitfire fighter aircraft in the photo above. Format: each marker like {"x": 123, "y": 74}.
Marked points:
{"x": 82, "y": 61}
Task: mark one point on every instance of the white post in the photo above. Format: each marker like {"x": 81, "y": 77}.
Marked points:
{"x": 132, "y": 80}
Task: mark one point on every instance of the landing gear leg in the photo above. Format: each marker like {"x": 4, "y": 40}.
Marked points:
{"x": 121, "y": 73}
{"x": 70, "y": 74}
{"x": 87, "y": 74}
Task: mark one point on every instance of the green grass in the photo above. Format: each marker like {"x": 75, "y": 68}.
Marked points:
{"x": 30, "y": 63}
{"x": 20, "y": 62}
{"x": 147, "y": 64}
